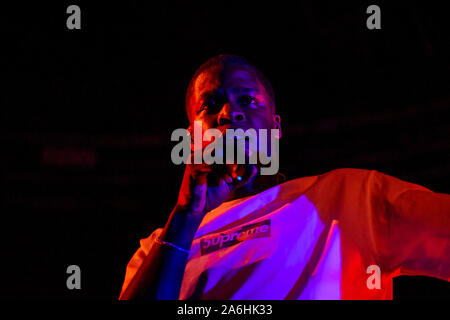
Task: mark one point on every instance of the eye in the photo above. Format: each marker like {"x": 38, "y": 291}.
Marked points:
{"x": 210, "y": 104}
{"x": 247, "y": 100}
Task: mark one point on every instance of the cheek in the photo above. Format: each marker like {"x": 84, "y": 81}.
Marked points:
{"x": 206, "y": 120}
{"x": 262, "y": 120}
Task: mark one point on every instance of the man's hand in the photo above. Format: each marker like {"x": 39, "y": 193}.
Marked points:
{"x": 206, "y": 187}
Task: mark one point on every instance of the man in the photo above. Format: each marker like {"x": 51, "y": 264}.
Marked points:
{"x": 236, "y": 234}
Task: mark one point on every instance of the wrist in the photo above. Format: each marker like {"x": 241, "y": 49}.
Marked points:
{"x": 180, "y": 229}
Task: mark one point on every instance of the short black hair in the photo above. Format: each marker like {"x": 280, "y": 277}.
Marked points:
{"x": 224, "y": 60}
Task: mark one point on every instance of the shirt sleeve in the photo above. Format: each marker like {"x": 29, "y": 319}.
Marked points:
{"x": 138, "y": 258}
{"x": 417, "y": 232}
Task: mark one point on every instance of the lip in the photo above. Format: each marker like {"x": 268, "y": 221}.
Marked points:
{"x": 224, "y": 128}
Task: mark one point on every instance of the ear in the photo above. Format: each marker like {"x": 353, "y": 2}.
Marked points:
{"x": 277, "y": 122}
{"x": 189, "y": 130}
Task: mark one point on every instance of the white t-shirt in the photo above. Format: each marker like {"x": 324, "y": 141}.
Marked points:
{"x": 341, "y": 235}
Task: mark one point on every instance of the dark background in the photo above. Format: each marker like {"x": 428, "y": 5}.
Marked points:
{"x": 87, "y": 117}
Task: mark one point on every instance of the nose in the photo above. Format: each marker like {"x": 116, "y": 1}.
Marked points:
{"x": 227, "y": 115}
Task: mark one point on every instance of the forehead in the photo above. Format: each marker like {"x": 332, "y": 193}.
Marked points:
{"x": 227, "y": 78}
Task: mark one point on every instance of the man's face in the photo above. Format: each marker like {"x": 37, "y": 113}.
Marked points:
{"x": 230, "y": 98}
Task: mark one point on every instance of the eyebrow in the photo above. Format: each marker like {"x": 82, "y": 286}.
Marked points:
{"x": 243, "y": 90}
{"x": 236, "y": 90}
{"x": 209, "y": 94}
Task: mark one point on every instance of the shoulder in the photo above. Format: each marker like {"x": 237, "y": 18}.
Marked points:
{"x": 349, "y": 172}
{"x": 339, "y": 175}
{"x": 374, "y": 181}
{"x": 332, "y": 182}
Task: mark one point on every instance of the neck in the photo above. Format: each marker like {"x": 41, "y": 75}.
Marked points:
{"x": 257, "y": 185}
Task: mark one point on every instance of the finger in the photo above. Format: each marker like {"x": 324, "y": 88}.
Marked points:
{"x": 249, "y": 172}
{"x": 228, "y": 179}
{"x": 243, "y": 174}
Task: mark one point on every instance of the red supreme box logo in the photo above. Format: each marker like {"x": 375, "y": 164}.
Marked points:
{"x": 224, "y": 240}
